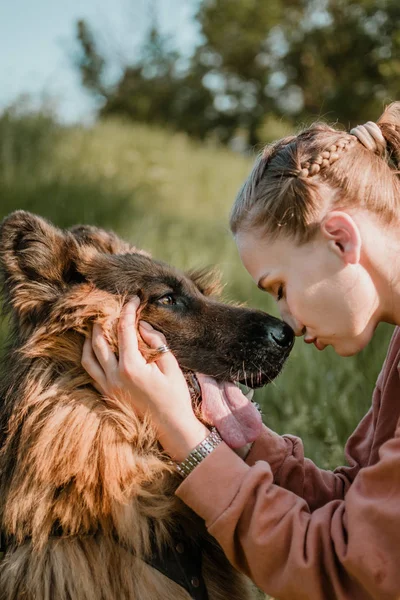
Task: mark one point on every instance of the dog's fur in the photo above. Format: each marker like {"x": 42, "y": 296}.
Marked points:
{"x": 84, "y": 485}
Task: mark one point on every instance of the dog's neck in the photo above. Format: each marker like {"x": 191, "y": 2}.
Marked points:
{"x": 181, "y": 561}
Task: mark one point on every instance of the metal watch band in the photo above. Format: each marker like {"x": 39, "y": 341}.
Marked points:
{"x": 199, "y": 453}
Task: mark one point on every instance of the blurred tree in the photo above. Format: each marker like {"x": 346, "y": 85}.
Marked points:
{"x": 344, "y": 59}
{"x": 240, "y": 49}
{"x": 90, "y": 63}
{"x": 153, "y": 89}
{"x": 256, "y": 59}
{"x": 221, "y": 89}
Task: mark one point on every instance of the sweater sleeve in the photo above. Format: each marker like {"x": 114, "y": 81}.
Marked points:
{"x": 346, "y": 549}
{"x": 291, "y": 470}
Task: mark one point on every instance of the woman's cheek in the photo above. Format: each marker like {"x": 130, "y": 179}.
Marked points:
{"x": 311, "y": 310}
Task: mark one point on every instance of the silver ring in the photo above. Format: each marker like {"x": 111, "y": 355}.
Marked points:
{"x": 163, "y": 349}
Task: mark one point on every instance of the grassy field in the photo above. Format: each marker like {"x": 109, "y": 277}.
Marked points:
{"x": 172, "y": 197}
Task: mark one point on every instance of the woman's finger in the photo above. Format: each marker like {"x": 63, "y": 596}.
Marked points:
{"x": 370, "y": 136}
{"x": 129, "y": 353}
{"x": 103, "y": 351}
{"x": 166, "y": 361}
{"x": 92, "y": 367}
{"x": 364, "y": 137}
{"x": 375, "y": 132}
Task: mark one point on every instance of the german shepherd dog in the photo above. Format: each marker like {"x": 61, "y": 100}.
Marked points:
{"x": 87, "y": 504}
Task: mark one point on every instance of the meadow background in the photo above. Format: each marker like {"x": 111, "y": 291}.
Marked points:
{"x": 145, "y": 116}
{"x": 171, "y": 196}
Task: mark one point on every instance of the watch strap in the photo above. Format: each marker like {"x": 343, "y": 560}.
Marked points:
{"x": 199, "y": 453}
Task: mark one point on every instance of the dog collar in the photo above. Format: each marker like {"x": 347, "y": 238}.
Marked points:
{"x": 181, "y": 561}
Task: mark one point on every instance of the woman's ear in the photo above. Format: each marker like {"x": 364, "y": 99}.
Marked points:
{"x": 343, "y": 236}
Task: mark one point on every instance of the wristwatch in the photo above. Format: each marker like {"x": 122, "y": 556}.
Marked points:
{"x": 199, "y": 453}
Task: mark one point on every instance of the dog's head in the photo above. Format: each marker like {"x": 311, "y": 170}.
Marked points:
{"x": 46, "y": 271}
{"x": 57, "y": 282}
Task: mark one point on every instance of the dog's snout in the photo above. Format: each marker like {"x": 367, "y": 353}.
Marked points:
{"x": 282, "y": 335}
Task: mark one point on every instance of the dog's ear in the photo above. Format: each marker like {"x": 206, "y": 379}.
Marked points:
{"x": 36, "y": 260}
{"x": 103, "y": 241}
{"x": 207, "y": 280}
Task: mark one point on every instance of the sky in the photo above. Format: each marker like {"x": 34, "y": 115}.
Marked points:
{"x": 37, "y": 42}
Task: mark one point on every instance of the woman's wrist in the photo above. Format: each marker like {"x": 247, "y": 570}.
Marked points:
{"x": 199, "y": 453}
{"x": 179, "y": 439}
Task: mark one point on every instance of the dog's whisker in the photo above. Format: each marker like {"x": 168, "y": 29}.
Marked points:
{"x": 262, "y": 372}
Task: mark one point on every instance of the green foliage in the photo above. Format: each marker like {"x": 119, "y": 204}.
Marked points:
{"x": 172, "y": 197}
{"x": 34, "y": 175}
{"x": 151, "y": 89}
{"x": 238, "y": 46}
{"x": 347, "y": 64}
{"x": 293, "y": 58}
{"x": 89, "y": 61}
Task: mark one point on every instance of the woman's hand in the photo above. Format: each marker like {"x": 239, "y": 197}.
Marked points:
{"x": 158, "y": 388}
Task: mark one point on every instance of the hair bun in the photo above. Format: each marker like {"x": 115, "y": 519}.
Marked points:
{"x": 389, "y": 124}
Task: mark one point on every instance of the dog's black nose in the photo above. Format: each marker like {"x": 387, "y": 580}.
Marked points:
{"x": 282, "y": 334}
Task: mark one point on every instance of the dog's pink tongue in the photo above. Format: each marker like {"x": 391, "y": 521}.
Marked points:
{"x": 223, "y": 404}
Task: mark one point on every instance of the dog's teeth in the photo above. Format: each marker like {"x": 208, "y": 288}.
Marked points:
{"x": 249, "y": 395}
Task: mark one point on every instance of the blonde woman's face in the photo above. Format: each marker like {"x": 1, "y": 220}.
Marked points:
{"x": 320, "y": 295}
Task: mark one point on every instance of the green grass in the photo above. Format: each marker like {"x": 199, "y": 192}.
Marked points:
{"x": 172, "y": 197}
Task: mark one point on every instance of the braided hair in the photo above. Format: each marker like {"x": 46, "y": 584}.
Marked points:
{"x": 291, "y": 184}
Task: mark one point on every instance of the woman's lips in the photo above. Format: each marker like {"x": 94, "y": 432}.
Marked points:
{"x": 319, "y": 345}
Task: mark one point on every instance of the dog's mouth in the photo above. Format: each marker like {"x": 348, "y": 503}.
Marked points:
{"x": 224, "y": 405}
{"x": 194, "y": 387}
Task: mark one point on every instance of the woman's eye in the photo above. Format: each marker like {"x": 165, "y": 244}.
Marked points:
{"x": 167, "y": 300}
{"x": 279, "y": 295}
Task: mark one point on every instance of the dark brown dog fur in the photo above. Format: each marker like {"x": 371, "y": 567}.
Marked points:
{"x": 85, "y": 465}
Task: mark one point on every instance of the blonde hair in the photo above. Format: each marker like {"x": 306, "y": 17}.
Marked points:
{"x": 285, "y": 189}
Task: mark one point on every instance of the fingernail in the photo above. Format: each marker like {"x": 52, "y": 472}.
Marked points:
{"x": 135, "y": 300}
{"x": 146, "y": 325}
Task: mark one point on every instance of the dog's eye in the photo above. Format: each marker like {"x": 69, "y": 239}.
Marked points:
{"x": 167, "y": 300}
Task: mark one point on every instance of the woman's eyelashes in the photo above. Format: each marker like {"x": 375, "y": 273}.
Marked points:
{"x": 271, "y": 289}
{"x": 279, "y": 294}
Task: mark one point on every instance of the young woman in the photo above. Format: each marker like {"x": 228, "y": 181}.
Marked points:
{"x": 317, "y": 225}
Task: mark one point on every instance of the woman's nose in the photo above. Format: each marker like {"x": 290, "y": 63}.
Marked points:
{"x": 297, "y": 327}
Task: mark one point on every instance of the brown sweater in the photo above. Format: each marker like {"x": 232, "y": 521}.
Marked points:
{"x": 304, "y": 533}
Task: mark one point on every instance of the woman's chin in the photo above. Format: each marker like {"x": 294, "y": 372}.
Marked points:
{"x": 350, "y": 347}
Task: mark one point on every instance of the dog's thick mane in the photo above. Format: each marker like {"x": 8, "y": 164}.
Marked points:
{"x": 75, "y": 460}
{"x": 83, "y": 458}
{"x": 75, "y": 467}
